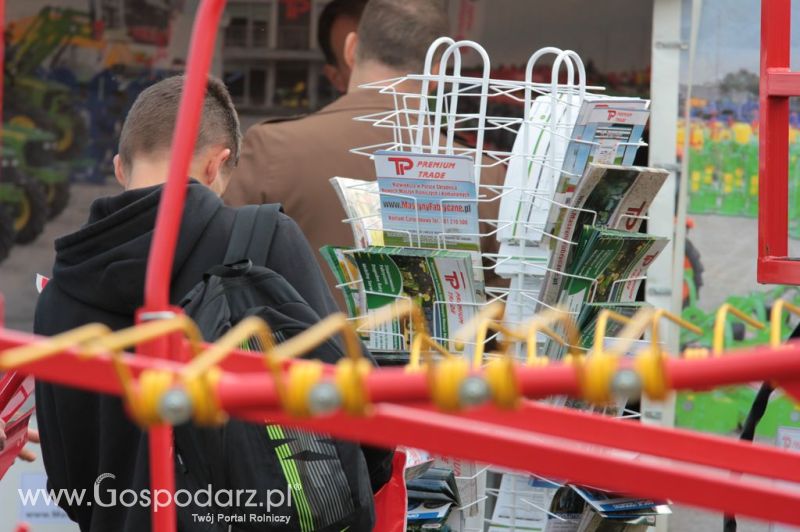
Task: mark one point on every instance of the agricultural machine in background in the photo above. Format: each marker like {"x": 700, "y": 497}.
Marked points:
{"x": 23, "y": 197}
{"x": 35, "y": 105}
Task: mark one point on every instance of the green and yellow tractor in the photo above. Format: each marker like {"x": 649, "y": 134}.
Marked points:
{"x": 30, "y": 96}
{"x": 35, "y": 152}
{"x": 23, "y": 198}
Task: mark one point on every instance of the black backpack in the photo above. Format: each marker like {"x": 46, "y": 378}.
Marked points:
{"x": 286, "y": 479}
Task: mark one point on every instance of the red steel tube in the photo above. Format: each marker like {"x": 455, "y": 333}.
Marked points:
{"x": 773, "y": 149}
{"x": 675, "y": 444}
{"x": 682, "y": 445}
{"x": 94, "y": 374}
{"x": 754, "y": 364}
{"x": 165, "y": 237}
{"x": 558, "y": 458}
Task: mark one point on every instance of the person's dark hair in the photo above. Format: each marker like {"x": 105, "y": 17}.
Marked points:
{"x": 333, "y": 10}
{"x": 397, "y": 34}
{"x": 149, "y": 125}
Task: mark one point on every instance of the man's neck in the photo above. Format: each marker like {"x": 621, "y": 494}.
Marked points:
{"x": 371, "y": 72}
{"x": 148, "y": 172}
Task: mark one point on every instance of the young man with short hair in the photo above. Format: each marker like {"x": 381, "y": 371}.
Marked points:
{"x": 99, "y": 274}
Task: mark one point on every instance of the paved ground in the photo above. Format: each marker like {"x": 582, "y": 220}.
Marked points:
{"x": 714, "y": 236}
{"x": 728, "y": 250}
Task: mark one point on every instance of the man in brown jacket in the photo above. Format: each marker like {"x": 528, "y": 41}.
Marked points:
{"x": 291, "y": 161}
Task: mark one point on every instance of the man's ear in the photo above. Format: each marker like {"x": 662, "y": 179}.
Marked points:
{"x": 119, "y": 171}
{"x": 215, "y": 165}
{"x": 334, "y": 76}
{"x": 350, "y": 45}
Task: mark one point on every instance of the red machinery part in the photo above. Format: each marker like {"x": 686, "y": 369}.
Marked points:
{"x": 584, "y": 448}
{"x": 777, "y": 84}
{"x": 502, "y": 437}
{"x": 165, "y": 237}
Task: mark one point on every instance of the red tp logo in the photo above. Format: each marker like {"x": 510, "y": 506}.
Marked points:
{"x": 611, "y": 114}
{"x": 401, "y": 164}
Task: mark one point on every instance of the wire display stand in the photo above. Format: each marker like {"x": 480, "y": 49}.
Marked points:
{"x": 454, "y": 122}
{"x": 444, "y": 112}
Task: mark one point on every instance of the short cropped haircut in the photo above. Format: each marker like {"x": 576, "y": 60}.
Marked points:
{"x": 149, "y": 125}
{"x": 397, "y": 33}
{"x": 332, "y": 11}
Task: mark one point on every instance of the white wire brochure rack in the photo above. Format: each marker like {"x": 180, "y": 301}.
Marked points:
{"x": 443, "y": 112}
{"x": 425, "y": 124}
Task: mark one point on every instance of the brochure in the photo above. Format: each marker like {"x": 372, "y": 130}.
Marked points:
{"x": 428, "y": 200}
{"x": 531, "y": 172}
{"x": 587, "y": 319}
{"x": 566, "y": 510}
{"x": 439, "y": 281}
{"x": 607, "y": 267}
{"x": 609, "y": 503}
{"x": 435, "y": 484}
{"x": 607, "y": 196}
{"x": 362, "y": 205}
{"x": 604, "y": 130}
{"x": 510, "y": 510}
{"x": 425, "y": 515}
{"x": 470, "y": 482}
{"x": 348, "y": 277}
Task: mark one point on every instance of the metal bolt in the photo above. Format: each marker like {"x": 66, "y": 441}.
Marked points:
{"x": 473, "y": 391}
{"x": 626, "y": 383}
{"x": 324, "y": 398}
{"x": 175, "y": 407}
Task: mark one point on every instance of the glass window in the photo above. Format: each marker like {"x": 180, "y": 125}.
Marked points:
{"x": 235, "y": 80}
{"x": 236, "y": 32}
{"x": 291, "y": 84}
{"x": 294, "y": 24}
{"x": 258, "y": 87}
{"x": 259, "y": 24}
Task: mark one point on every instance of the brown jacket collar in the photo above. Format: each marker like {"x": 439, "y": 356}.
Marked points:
{"x": 360, "y": 99}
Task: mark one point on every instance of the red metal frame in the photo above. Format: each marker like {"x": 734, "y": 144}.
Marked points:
{"x": 580, "y": 447}
{"x": 165, "y": 238}
{"x": 778, "y": 83}
{"x": 585, "y": 448}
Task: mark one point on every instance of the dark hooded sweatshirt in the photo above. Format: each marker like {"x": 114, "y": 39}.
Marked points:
{"x": 99, "y": 276}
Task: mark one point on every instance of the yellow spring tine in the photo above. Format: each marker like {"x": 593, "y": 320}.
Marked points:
{"x": 718, "y": 344}
{"x": 776, "y": 320}
{"x": 234, "y": 338}
{"x": 543, "y": 321}
{"x": 677, "y": 320}
{"x": 145, "y": 332}
{"x": 26, "y": 354}
{"x": 632, "y": 331}
{"x": 306, "y": 341}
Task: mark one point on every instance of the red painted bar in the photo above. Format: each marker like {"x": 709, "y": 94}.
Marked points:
{"x": 676, "y": 444}
{"x": 558, "y": 458}
{"x": 783, "y": 83}
{"x": 778, "y": 270}
{"x": 754, "y": 364}
{"x": 773, "y": 147}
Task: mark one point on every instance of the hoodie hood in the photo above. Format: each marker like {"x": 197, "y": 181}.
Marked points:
{"x": 103, "y": 264}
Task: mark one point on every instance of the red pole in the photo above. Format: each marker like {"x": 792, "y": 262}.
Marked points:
{"x": 2, "y": 78}
{"x": 162, "y": 251}
{"x": 165, "y": 237}
{"x": 773, "y": 147}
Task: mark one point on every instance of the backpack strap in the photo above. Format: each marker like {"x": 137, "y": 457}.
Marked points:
{"x": 251, "y": 237}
